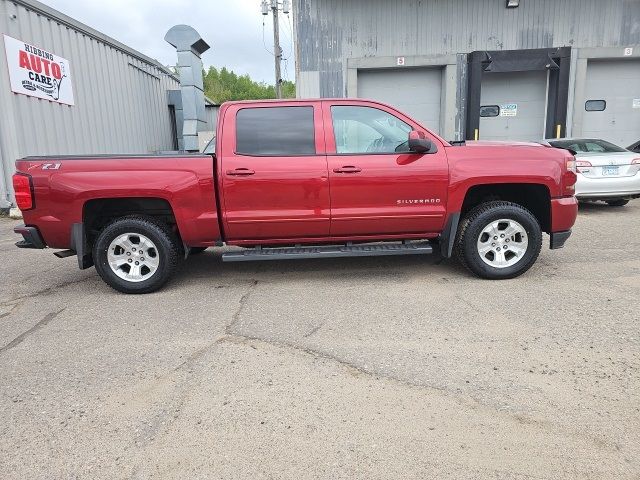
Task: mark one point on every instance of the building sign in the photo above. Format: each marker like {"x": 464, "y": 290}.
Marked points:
{"x": 37, "y": 72}
{"x": 400, "y": 61}
{"x": 628, "y": 51}
{"x": 635, "y": 103}
{"x": 509, "y": 110}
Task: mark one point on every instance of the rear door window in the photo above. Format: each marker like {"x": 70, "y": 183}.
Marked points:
{"x": 275, "y": 131}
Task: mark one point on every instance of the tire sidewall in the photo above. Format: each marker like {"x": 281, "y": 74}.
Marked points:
{"x": 474, "y": 229}
{"x": 163, "y": 245}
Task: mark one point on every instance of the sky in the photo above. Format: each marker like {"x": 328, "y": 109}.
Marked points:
{"x": 232, "y": 28}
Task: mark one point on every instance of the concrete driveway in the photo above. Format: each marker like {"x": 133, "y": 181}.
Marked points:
{"x": 371, "y": 368}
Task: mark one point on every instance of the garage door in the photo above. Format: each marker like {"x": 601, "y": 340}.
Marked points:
{"x": 617, "y": 119}
{"x": 416, "y": 92}
{"x": 513, "y": 106}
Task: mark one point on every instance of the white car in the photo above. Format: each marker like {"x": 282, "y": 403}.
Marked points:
{"x": 606, "y": 171}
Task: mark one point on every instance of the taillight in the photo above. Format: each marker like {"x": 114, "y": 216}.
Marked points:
{"x": 24, "y": 191}
{"x": 570, "y": 176}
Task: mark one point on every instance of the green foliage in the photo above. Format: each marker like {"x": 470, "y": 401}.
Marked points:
{"x": 222, "y": 85}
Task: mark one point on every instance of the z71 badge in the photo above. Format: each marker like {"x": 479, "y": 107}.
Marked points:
{"x": 51, "y": 166}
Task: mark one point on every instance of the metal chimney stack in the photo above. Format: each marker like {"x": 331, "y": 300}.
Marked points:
{"x": 190, "y": 47}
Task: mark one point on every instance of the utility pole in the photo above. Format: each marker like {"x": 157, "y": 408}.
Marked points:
{"x": 275, "y": 7}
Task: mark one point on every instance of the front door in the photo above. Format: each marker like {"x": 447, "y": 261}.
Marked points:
{"x": 274, "y": 172}
{"x": 378, "y": 187}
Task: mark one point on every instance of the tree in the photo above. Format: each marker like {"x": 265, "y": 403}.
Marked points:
{"x": 222, "y": 85}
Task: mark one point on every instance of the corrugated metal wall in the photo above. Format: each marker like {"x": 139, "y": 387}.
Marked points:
{"x": 330, "y": 31}
{"x": 120, "y": 95}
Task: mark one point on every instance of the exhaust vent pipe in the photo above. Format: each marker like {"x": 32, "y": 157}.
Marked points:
{"x": 190, "y": 47}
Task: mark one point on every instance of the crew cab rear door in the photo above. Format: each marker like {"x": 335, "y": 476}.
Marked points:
{"x": 273, "y": 171}
{"x": 377, "y": 186}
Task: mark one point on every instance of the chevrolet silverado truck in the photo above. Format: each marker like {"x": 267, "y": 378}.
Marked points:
{"x": 301, "y": 179}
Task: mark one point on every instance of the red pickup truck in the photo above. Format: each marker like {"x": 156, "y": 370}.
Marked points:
{"x": 301, "y": 179}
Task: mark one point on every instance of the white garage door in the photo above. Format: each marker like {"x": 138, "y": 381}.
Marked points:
{"x": 416, "y": 92}
{"x": 521, "y": 98}
{"x": 617, "y": 82}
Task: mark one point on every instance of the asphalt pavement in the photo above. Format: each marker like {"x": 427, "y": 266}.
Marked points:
{"x": 372, "y": 368}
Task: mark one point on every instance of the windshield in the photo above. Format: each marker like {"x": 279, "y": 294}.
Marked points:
{"x": 587, "y": 145}
{"x": 210, "y": 149}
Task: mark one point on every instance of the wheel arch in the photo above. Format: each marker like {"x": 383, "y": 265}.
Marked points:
{"x": 535, "y": 197}
{"x": 98, "y": 212}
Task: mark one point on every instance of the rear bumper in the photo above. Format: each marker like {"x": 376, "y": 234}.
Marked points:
{"x": 558, "y": 239}
{"x": 614, "y": 187}
{"x": 31, "y": 237}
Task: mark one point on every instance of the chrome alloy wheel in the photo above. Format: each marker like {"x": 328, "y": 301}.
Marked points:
{"x": 502, "y": 243}
{"x": 133, "y": 257}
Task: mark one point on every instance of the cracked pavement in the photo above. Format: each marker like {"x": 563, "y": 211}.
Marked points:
{"x": 371, "y": 368}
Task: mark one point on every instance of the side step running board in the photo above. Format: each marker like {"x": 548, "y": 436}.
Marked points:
{"x": 328, "y": 251}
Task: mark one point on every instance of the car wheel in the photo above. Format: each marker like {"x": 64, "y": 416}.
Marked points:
{"x": 136, "y": 254}
{"x": 499, "y": 240}
{"x": 617, "y": 203}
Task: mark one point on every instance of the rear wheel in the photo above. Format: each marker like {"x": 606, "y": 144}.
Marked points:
{"x": 499, "y": 240}
{"x": 136, "y": 254}
{"x": 617, "y": 203}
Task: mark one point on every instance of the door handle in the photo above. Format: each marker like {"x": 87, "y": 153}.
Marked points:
{"x": 240, "y": 172}
{"x": 347, "y": 169}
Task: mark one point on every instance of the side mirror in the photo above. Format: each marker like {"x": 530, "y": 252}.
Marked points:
{"x": 419, "y": 143}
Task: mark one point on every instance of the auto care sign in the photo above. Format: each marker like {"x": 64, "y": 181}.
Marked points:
{"x": 37, "y": 72}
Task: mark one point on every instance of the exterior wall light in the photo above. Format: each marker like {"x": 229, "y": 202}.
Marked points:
{"x": 513, "y": 3}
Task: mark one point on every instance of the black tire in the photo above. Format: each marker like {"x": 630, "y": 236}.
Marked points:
{"x": 166, "y": 244}
{"x": 617, "y": 203}
{"x": 196, "y": 250}
{"x": 475, "y": 222}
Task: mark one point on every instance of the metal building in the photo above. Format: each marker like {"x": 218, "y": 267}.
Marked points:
{"x": 66, "y": 88}
{"x": 487, "y": 69}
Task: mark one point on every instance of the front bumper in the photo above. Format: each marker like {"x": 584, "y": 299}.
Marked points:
{"x": 31, "y": 237}
{"x": 564, "y": 211}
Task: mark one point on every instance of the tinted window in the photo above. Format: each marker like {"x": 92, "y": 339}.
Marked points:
{"x": 368, "y": 130}
{"x": 489, "y": 111}
{"x": 595, "y": 105}
{"x": 275, "y": 131}
{"x": 587, "y": 145}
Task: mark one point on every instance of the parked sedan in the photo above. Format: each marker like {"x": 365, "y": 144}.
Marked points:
{"x": 634, "y": 147}
{"x": 606, "y": 171}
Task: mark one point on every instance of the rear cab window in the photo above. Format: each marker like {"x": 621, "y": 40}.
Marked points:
{"x": 275, "y": 131}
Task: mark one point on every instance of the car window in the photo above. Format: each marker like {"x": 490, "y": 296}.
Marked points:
{"x": 587, "y": 145}
{"x": 210, "y": 149}
{"x": 594, "y": 147}
{"x": 275, "y": 131}
{"x": 368, "y": 130}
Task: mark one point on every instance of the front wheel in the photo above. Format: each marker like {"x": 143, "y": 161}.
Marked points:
{"x": 499, "y": 240}
{"x": 136, "y": 254}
